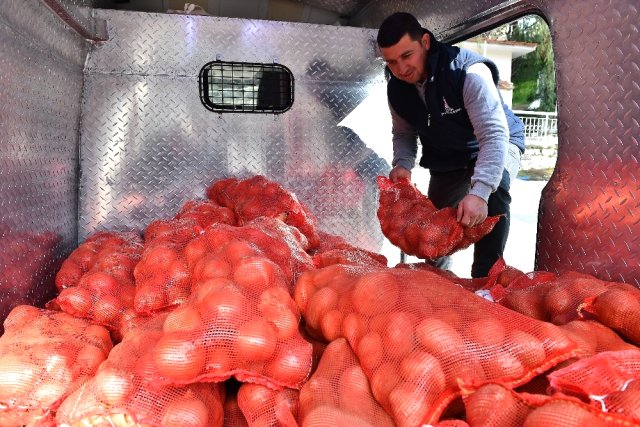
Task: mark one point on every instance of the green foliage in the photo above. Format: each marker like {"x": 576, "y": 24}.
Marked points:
{"x": 532, "y": 75}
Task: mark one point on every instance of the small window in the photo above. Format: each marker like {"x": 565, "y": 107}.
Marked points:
{"x": 233, "y": 87}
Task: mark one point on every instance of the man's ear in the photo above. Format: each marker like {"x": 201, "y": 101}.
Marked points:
{"x": 426, "y": 41}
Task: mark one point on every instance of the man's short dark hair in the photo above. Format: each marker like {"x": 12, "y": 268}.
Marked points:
{"x": 395, "y": 26}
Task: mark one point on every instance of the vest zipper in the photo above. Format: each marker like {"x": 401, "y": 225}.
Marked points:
{"x": 428, "y": 119}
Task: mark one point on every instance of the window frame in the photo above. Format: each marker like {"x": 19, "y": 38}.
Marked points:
{"x": 205, "y": 87}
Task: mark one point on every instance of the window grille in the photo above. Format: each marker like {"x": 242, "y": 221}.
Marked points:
{"x": 233, "y": 87}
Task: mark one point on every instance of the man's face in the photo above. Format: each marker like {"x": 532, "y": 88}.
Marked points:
{"x": 407, "y": 58}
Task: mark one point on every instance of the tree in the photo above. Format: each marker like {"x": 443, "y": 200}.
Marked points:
{"x": 533, "y": 75}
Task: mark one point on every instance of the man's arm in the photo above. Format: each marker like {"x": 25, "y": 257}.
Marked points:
{"x": 405, "y": 147}
{"x": 484, "y": 107}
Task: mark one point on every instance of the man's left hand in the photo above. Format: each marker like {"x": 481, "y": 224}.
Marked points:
{"x": 472, "y": 210}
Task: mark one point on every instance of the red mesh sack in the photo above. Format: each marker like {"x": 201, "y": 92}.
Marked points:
{"x": 263, "y": 406}
{"x": 494, "y": 405}
{"x": 338, "y": 393}
{"x": 503, "y": 278}
{"x": 593, "y": 337}
{"x": 45, "y": 356}
{"x": 618, "y": 308}
{"x": 411, "y": 222}
{"x": 106, "y": 292}
{"x": 125, "y": 390}
{"x": 336, "y": 250}
{"x": 452, "y": 423}
{"x": 280, "y": 242}
{"x": 206, "y": 213}
{"x": 96, "y": 246}
{"x": 556, "y": 301}
{"x": 233, "y": 416}
{"x": 469, "y": 284}
{"x": 22, "y": 276}
{"x": 241, "y": 323}
{"x": 162, "y": 276}
{"x": 257, "y": 196}
{"x": 417, "y": 335}
{"x": 609, "y": 380}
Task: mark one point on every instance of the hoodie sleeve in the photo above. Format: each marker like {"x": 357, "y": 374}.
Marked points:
{"x": 405, "y": 141}
{"x": 484, "y": 107}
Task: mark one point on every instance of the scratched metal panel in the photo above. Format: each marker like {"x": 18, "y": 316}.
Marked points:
{"x": 148, "y": 145}
{"x": 589, "y": 217}
{"x": 41, "y": 79}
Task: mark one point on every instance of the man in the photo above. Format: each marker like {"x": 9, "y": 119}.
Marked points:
{"x": 471, "y": 141}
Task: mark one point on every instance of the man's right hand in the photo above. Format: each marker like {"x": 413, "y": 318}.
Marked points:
{"x": 399, "y": 172}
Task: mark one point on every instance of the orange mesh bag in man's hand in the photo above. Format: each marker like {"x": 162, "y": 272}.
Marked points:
{"x": 495, "y": 405}
{"x": 125, "y": 391}
{"x": 339, "y": 394}
{"x": 45, "y": 356}
{"x": 257, "y": 196}
{"x": 411, "y": 222}
{"x": 96, "y": 246}
{"x": 105, "y": 293}
{"x": 618, "y": 308}
{"x": 263, "y": 406}
{"x": 241, "y": 322}
{"x": 610, "y": 381}
{"x": 417, "y": 335}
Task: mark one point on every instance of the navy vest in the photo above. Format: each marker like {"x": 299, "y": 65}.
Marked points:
{"x": 443, "y": 125}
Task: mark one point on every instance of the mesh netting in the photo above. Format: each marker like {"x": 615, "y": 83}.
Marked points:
{"x": 96, "y": 246}
{"x": 336, "y": 250}
{"x": 263, "y": 406}
{"x": 105, "y": 292}
{"x": 411, "y": 222}
{"x": 241, "y": 322}
{"x": 593, "y": 337}
{"x": 22, "y": 257}
{"x": 257, "y": 196}
{"x": 162, "y": 276}
{"x": 494, "y": 405}
{"x": 339, "y": 394}
{"x": 233, "y": 416}
{"x": 170, "y": 266}
{"x": 45, "y": 356}
{"x": 556, "y": 300}
{"x": 417, "y": 335}
{"x": 125, "y": 388}
{"x": 452, "y": 423}
{"x": 468, "y": 284}
{"x": 206, "y": 213}
{"x": 609, "y": 380}
{"x": 617, "y": 308}
{"x": 280, "y": 242}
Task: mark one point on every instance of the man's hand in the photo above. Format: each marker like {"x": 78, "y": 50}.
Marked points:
{"x": 472, "y": 210}
{"x": 399, "y": 172}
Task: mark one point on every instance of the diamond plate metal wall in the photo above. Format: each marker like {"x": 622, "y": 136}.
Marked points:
{"x": 589, "y": 218}
{"x": 148, "y": 145}
{"x": 41, "y": 79}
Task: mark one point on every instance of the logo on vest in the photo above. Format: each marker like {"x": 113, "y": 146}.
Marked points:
{"x": 448, "y": 110}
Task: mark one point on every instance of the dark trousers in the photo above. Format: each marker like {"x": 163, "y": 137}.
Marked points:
{"x": 449, "y": 188}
